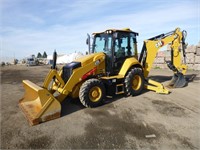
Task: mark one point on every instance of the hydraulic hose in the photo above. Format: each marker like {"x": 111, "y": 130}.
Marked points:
{"x": 184, "y": 34}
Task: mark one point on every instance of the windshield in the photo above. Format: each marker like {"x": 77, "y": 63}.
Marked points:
{"x": 102, "y": 43}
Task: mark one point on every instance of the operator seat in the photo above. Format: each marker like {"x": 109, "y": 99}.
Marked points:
{"x": 121, "y": 52}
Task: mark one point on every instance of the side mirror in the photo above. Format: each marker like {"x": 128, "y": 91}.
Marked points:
{"x": 88, "y": 42}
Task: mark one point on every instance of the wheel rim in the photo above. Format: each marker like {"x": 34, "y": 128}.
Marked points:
{"x": 95, "y": 94}
{"x": 137, "y": 81}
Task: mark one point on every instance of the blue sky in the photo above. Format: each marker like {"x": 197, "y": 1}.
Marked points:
{"x": 31, "y": 26}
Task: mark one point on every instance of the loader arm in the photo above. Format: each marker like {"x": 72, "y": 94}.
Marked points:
{"x": 149, "y": 51}
{"x": 41, "y": 104}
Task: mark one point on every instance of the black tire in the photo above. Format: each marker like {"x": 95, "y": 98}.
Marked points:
{"x": 134, "y": 82}
{"x": 92, "y": 93}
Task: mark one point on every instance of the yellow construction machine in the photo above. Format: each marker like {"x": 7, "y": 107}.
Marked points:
{"x": 112, "y": 67}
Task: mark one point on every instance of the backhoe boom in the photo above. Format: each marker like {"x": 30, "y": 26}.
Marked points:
{"x": 151, "y": 46}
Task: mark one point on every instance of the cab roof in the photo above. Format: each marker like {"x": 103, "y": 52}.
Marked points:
{"x": 117, "y": 30}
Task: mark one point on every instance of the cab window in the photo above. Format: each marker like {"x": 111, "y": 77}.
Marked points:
{"x": 102, "y": 43}
{"x": 125, "y": 45}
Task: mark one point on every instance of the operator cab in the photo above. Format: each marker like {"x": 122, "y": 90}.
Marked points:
{"x": 118, "y": 45}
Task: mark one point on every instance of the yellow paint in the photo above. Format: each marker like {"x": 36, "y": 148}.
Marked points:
{"x": 157, "y": 87}
{"x": 153, "y": 47}
{"x": 38, "y": 103}
{"x": 95, "y": 94}
{"x": 129, "y": 62}
{"x": 88, "y": 62}
{"x": 79, "y": 72}
{"x": 75, "y": 91}
{"x": 137, "y": 81}
{"x": 112, "y": 77}
{"x": 115, "y": 30}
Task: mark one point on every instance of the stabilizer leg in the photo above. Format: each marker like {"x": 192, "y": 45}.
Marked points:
{"x": 156, "y": 86}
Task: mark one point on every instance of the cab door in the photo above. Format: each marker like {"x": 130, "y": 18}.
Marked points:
{"x": 124, "y": 47}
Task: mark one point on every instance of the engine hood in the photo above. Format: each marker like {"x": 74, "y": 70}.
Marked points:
{"x": 90, "y": 58}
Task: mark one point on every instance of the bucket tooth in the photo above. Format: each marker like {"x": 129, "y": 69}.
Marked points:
{"x": 178, "y": 81}
{"x": 39, "y": 105}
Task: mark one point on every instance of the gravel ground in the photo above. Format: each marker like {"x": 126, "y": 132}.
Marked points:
{"x": 148, "y": 121}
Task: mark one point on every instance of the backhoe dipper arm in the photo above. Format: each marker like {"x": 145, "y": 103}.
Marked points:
{"x": 152, "y": 46}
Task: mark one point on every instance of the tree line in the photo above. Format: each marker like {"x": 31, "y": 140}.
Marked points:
{"x": 39, "y": 55}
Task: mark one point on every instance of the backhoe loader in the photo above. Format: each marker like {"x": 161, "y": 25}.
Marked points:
{"x": 112, "y": 67}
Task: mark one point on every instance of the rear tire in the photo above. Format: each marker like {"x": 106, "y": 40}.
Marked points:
{"x": 134, "y": 82}
{"x": 92, "y": 93}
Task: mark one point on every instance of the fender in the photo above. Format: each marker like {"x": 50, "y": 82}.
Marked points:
{"x": 129, "y": 62}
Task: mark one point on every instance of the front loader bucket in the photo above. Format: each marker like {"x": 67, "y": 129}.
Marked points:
{"x": 178, "y": 81}
{"x": 38, "y": 104}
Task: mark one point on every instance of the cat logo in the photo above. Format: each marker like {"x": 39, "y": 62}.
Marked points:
{"x": 159, "y": 44}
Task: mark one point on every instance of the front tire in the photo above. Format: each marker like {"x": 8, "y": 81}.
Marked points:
{"x": 92, "y": 93}
{"x": 134, "y": 82}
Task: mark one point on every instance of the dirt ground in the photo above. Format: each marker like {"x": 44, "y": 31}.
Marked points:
{"x": 172, "y": 121}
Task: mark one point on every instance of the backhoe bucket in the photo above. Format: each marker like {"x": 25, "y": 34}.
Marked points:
{"x": 178, "y": 81}
{"x": 38, "y": 104}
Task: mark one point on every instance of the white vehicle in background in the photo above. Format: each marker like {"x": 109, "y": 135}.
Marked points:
{"x": 31, "y": 61}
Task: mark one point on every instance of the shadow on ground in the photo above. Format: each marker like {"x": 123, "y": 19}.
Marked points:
{"x": 70, "y": 105}
{"x": 188, "y": 77}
